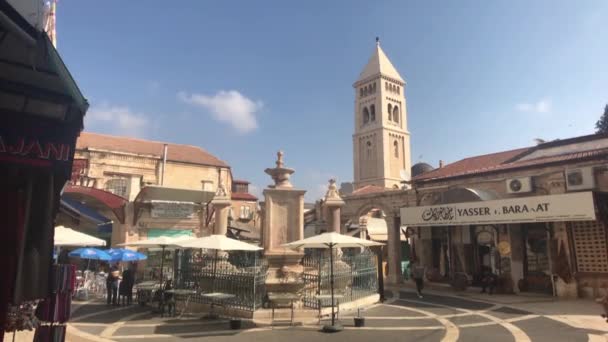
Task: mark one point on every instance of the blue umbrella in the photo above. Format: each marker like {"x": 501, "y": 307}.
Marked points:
{"x": 91, "y": 254}
{"x": 122, "y": 254}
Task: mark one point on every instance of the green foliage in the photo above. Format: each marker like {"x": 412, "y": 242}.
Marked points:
{"x": 602, "y": 124}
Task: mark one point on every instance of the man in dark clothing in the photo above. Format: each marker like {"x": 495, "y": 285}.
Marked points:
{"x": 112, "y": 285}
{"x": 488, "y": 281}
{"x": 418, "y": 276}
{"x": 126, "y": 286}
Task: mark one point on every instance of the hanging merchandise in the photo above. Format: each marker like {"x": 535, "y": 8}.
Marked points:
{"x": 21, "y": 317}
{"x": 57, "y": 307}
{"x": 50, "y": 333}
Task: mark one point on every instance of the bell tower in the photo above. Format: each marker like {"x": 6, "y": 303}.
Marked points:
{"x": 381, "y": 142}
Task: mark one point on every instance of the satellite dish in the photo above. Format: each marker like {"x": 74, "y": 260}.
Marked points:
{"x": 403, "y": 174}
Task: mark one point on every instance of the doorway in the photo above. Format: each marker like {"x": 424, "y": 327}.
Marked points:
{"x": 536, "y": 258}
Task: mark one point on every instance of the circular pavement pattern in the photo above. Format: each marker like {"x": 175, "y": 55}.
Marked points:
{"x": 404, "y": 317}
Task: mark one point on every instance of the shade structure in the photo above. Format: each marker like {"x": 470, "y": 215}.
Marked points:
{"x": 122, "y": 254}
{"x": 218, "y": 242}
{"x": 330, "y": 241}
{"x": 69, "y": 237}
{"x": 90, "y": 254}
{"x": 159, "y": 242}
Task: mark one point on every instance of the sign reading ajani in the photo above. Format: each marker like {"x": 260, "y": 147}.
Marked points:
{"x": 565, "y": 207}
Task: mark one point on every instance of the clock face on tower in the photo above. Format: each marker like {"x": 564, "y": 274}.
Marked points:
{"x": 515, "y": 185}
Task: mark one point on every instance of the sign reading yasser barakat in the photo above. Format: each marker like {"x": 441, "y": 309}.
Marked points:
{"x": 565, "y": 207}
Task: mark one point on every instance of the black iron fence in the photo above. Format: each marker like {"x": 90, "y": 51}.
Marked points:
{"x": 241, "y": 274}
{"x": 355, "y": 276}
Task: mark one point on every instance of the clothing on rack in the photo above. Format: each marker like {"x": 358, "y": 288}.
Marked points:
{"x": 50, "y": 333}
{"x": 56, "y": 308}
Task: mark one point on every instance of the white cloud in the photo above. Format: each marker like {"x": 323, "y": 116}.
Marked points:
{"x": 227, "y": 106}
{"x": 541, "y": 106}
{"x": 117, "y": 119}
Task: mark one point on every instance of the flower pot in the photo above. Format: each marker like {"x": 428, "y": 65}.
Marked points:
{"x": 235, "y": 324}
{"x": 359, "y": 322}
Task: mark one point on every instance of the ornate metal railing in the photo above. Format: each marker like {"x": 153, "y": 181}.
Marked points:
{"x": 237, "y": 273}
{"x": 355, "y": 276}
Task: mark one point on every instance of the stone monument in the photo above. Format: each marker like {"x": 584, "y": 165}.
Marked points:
{"x": 283, "y": 223}
{"x": 333, "y": 202}
{"x": 221, "y": 202}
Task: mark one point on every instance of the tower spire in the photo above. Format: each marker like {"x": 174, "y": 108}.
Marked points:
{"x": 377, "y": 41}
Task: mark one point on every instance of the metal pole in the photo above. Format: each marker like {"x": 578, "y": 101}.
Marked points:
{"x": 380, "y": 276}
{"x": 214, "y": 270}
{"x": 331, "y": 282}
{"x": 162, "y": 265}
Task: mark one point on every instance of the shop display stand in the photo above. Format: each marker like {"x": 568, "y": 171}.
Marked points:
{"x": 54, "y": 312}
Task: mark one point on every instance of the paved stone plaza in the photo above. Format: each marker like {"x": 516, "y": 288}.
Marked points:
{"x": 404, "y": 317}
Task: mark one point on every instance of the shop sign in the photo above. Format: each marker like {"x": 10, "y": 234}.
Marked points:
{"x": 170, "y": 209}
{"x": 37, "y": 142}
{"x": 565, "y": 207}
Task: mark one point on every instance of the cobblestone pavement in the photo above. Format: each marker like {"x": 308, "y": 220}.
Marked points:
{"x": 404, "y": 317}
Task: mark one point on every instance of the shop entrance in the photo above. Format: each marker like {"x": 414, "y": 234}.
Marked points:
{"x": 484, "y": 252}
{"x": 441, "y": 261}
{"x": 536, "y": 259}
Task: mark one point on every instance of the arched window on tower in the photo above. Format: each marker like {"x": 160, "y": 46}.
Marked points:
{"x": 396, "y": 114}
{"x": 360, "y": 92}
{"x": 373, "y": 88}
{"x": 396, "y": 149}
{"x": 372, "y": 112}
{"x": 365, "y": 115}
{"x": 364, "y": 91}
{"x": 385, "y": 85}
{"x": 398, "y": 90}
{"x": 390, "y": 112}
{"x": 369, "y": 150}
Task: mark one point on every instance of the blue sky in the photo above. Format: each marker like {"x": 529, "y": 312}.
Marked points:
{"x": 243, "y": 79}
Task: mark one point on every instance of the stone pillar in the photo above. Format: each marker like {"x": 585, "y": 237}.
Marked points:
{"x": 220, "y": 203}
{"x": 333, "y": 202}
{"x": 394, "y": 250}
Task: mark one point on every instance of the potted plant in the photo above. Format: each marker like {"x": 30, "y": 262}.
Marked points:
{"x": 359, "y": 321}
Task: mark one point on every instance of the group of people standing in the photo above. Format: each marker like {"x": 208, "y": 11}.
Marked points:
{"x": 120, "y": 286}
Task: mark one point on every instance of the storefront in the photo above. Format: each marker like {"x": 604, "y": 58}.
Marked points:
{"x": 519, "y": 239}
{"x": 42, "y": 112}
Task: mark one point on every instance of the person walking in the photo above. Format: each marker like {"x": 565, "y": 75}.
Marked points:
{"x": 488, "y": 281}
{"x": 418, "y": 276}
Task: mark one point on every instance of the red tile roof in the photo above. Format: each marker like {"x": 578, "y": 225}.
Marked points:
{"x": 175, "y": 152}
{"x": 243, "y": 196}
{"x": 471, "y": 165}
{"x": 369, "y": 189}
{"x": 240, "y": 181}
{"x": 504, "y": 161}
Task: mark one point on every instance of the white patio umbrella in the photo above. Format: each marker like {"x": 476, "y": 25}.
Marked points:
{"x": 161, "y": 242}
{"x": 330, "y": 241}
{"x": 218, "y": 243}
{"x": 70, "y": 237}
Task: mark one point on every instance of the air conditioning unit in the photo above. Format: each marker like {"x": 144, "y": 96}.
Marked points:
{"x": 519, "y": 185}
{"x": 580, "y": 179}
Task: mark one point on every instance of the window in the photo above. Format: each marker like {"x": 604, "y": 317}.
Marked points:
{"x": 590, "y": 246}
{"x": 374, "y": 88}
{"x": 396, "y": 114}
{"x": 118, "y": 186}
{"x": 396, "y": 149}
{"x": 390, "y": 111}
{"x": 398, "y": 90}
{"x": 369, "y": 150}
{"x": 372, "y": 112}
{"x": 365, "y": 115}
{"x": 364, "y": 91}
{"x": 385, "y": 85}
{"x": 360, "y": 92}
{"x": 245, "y": 212}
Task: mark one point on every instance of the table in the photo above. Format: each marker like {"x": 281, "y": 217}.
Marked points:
{"x": 336, "y": 302}
{"x": 145, "y": 290}
{"x": 281, "y": 298}
{"x": 217, "y": 296}
{"x": 183, "y": 292}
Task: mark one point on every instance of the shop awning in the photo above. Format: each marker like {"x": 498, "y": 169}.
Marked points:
{"x": 578, "y": 206}
{"x": 151, "y": 194}
{"x": 98, "y": 197}
{"x": 104, "y": 224}
{"x": 377, "y": 229}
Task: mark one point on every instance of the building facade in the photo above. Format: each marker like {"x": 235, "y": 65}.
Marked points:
{"x": 146, "y": 188}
